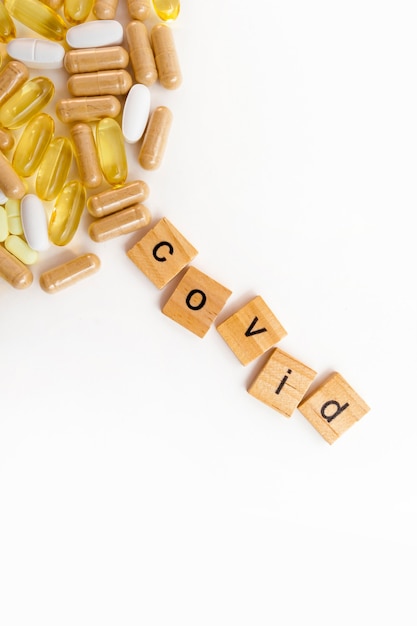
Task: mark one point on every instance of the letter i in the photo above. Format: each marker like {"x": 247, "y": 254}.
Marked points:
{"x": 282, "y": 383}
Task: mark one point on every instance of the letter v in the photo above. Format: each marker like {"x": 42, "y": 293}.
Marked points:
{"x": 250, "y": 330}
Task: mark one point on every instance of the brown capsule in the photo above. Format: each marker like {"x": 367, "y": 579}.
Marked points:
{"x": 10, "y": 182}
{"x": 155, "y": 138}
{"x": 87, "y": 109}
{"x": 86, "y": 155}
{"x": 114, "y": 200}
{"x": 96, "y": 59}
{"x": 166, "y": 58}
{"x": 141, "y": 55}
{"x": 6, "y": 140}
{"x": 105, "y": 83}
{"x": 69, "y": 273}
{"x": 139, "y": 9}
{"x": 121, "y": 223}
{"x": 105, "y": 9}
{"x": 16, "y": 273}
{"x": 12, "y": 77}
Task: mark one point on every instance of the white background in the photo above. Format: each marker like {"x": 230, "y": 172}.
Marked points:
{"x": 139, "y": 482}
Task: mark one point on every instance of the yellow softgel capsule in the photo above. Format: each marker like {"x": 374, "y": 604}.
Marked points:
{"x": 32, "y": 144}
{"x": 53, "y": 169}
{"x": 67, "y": 212}
{"x": 7, "y": 26}
{"x": 77, "y": 11}
{"x": 111, "y": 151}
{"x": 13, "y": 216}
{"x": 29, "y": 100}
{"x": 39, "y": 17}
{"x": 4, "y": 226}
{"x": 166, "y": 9}
{"x": 21, "y": 250}
{"x": 6, "y": 140}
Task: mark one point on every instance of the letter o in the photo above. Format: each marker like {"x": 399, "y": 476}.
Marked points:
{"x": 192, "y": 293}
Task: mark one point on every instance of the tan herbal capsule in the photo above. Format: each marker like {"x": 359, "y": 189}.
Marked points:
{"x": 12, "y": 77}
{"x": 87, "y": 109}
{"x": 105, "y": 9}
{"x": 141, "y": 55}
{"x": 121, "y": 223}
{"x": 6, "y": 140}
{"x": 114, "y": 200}
{"x": 69, "y": 273}
{"x": 14, "y": 271}
{"x": 85, "y": 60}
{"x": 155, "y": 138}
{"x": 10, "y": 182}
{"x": 139, "y": 9}
{"x": 107, "y": 82}
{"x": 166, "y": 58}
{"x": 86, "y": 155}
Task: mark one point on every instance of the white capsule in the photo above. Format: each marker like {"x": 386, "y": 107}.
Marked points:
{"x": 136, "y": 113}
{"x": 95, "y": 34}
{"x": 34, "y": 222}
{"x": 37, "y": 53}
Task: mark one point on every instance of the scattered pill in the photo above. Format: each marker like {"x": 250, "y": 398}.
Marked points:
{"x": 38, "y": 17}
{"x": 10, "y": 182}
{"x": 112, "y": 200}
{"x": 86, "y": 155}
{"x": 21, "y": 250}
{"x": 37, "y": 53}
{"x": 4, "y": 226}
{"x": 54, "y": 167}
{"x": 141, "y": 54}
{"x": 166, "y": 58}
{"x": 155, "y": 138}
{"x": 32, "y": 144}
{"x": 69, "y": 273}
{"x": 105, "y": 9}
{"x": 67, "y": 212}
{"x": 77, "y": 11}
{"x": 111, "y": 151}
{"x": 96, "y": 59}
{"x": 136, "y": 113}
{"x": 95, "y": 33}
{"x": 106, "y": 82}
{"x": 87, "y": 109}
{"x": 13, "y": 216}
{"x": 139, "y": 9}
{"x": 14, "y": 271}
{"x": 167, "y": 9}
{"x": 28, "y": 100}
{"x": 13, "y": 75}
{"x": 7, "y": 27}
{"x": 121, "y": 223}
{"x": 34, "y": 222}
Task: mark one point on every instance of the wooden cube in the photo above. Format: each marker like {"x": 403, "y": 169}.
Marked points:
{"x": 162, "y": 253}
{"x": 282, "y": 382}
{"x": 333, "y": 407}
{"x": 196, "y": 301}
{"x": 252, "y": 330}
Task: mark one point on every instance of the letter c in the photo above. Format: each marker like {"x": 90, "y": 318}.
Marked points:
{"x": 159, "y": 245}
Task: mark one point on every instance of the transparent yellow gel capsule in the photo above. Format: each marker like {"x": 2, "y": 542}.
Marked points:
{"x": 77, "y": 11}
{"x": 32, "y": 144}
{"x": 53, "y": 169}
{"x": 67, "y": 212}
{"x": 7, "y": 27}
{"x": 26, "y": 102}
{"x": 166, "y": 9}
{"x": 111, "y": 151}
{"x": 14, "y": 222}
{"x": 39, "y": 17}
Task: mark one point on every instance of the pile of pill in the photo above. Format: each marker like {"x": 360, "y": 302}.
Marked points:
{"x": 109, "y": 106}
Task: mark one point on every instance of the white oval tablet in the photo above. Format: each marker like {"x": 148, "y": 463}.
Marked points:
{"x": 34, "y": 222}
{"x": 95, "y": 34}
{"x": 3, "y": 198}
{"x": 37, "y": 53}
{"x": 136, "y": 112}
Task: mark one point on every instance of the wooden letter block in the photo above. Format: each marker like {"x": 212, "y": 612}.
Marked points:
{"x": 251, "y": 331}
{"x": 196, "y": 301}
{"x": 333, "y": 407}
{"x": 282, "y": 382}
{"x": 162, "y": 253}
